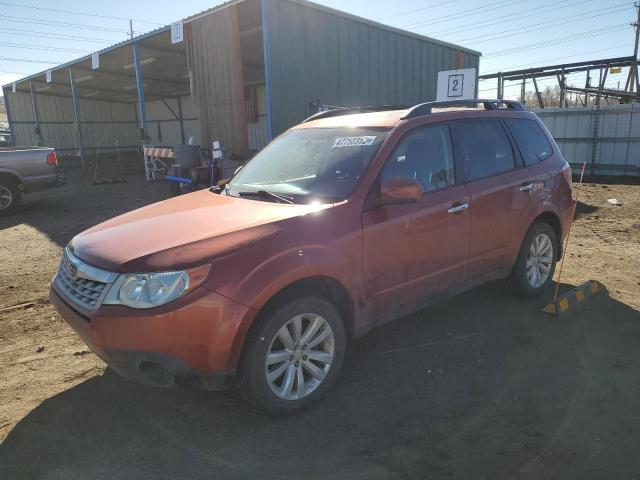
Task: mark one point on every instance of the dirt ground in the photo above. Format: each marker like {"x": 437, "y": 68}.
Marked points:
{"x": 481, "y": 386}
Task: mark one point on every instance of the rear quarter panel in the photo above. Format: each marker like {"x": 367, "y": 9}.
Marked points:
{"x": 30, "y": 166}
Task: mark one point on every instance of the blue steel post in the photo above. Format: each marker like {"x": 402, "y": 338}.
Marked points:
{"x": 76, "y": 113}
{"x": 267, "y": 67}
{"x": 139, "y": 83}
{"x": 5, "y": 92}
{"x": 36, "y": 115}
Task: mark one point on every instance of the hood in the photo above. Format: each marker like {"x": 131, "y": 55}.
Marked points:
{"x": 202, "y": 224}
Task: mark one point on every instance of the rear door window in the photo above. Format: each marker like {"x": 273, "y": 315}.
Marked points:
{"x": 533, "y": 143}
{"x": 483, "y": 148}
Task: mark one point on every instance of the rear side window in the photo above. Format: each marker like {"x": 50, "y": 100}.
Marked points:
{"x": 483, "y": 148}
{"x": 533, "y": 143}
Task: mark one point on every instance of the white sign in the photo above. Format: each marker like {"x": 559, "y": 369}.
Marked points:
{"x": 457, "y": 84}
{"x": 361, "y": 141}
{"x": 48, "y": 76}
{"x": 177, "y": 32}
{"x": 95, "y": 61}
{"x": 217, "y": 151}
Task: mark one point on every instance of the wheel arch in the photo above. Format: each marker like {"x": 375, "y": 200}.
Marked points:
{"x": 322, "y": 286}
{"x": 553, "y": 221}
{"x": 10, "y": 176}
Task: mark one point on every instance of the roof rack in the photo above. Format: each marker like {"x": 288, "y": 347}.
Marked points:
{"x": 339, "y": 111}
{"x": 489, "y": 104}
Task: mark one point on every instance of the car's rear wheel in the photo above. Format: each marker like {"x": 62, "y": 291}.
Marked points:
{"x": 10, "y": 197}
{"x": 292, "y": 355}
{"x": 536, "y": 261}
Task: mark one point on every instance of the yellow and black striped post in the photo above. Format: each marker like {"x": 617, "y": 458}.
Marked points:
{"x": 573, "y": 298}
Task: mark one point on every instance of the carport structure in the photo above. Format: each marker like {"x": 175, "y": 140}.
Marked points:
{"x": 81, "y": 105}
{"x": 240, "y": 73}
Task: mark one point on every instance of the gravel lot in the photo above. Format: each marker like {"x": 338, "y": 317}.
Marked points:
{"x": 481, "y": 386}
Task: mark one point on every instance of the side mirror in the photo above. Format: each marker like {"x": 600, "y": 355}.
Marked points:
{"x": 396, "y": 190}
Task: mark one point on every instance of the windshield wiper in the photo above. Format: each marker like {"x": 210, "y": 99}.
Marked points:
{"x": 266, "y": 194}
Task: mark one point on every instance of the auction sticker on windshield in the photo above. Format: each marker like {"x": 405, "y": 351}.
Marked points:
{"x": 360, "y": 141}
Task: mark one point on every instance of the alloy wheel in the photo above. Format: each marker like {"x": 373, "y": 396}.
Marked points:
{"x": 299, "y": 356}
{"x": 5, "y": 197}
{"x": 539, "y": 260}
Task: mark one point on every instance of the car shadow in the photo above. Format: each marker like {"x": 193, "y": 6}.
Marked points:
{"x": 481, "y": 386}
{"x": 584, "y": 209}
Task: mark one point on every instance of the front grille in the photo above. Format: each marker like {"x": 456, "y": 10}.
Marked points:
{"x": 83, "y": 284}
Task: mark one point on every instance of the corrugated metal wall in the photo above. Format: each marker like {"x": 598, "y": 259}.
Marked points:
{"x": 164, "y": 128}
{"x": 315, "y": 54}
{"x": 216, "y": 68}
{"x": 617, "y": 146}
{"x": 102, "y": 123}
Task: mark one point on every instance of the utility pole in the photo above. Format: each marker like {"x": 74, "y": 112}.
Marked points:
{"x": 633, "y": 79}
{"x": 131, "y": 28}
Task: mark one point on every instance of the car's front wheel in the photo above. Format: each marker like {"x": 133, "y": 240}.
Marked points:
{"x": 292, "y": 355}
{"x": 536, "y": 261}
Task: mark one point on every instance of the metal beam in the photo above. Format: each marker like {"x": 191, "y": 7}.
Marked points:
{"x": 181, "y": 120}
{"x": 527, "y": 71}
{"x": 605, "y": 92}
{"x": 170, "y": 51}
{"x": 535, "y": 85}
{"x": 140, "y": 87}
{"x": 100, "y": 89}
{"x": 76, "y": 112}
{"x": 36, "y": 115}
{"x": 132, "y": 77}
{"x": 551, "y": 72}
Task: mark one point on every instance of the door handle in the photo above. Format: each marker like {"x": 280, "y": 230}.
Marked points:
{"x": 458, "y": 208}
{"x": 526, "y": 187}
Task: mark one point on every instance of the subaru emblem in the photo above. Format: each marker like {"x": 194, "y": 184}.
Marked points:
{"x": 73, "y": 270}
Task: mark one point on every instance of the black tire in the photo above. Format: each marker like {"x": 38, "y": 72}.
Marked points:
{"x": 519, "y": 279}
{"x": 8, "y": 188}
{"x": 251, "y": 380}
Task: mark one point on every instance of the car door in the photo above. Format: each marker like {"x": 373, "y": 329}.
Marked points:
{"x": 499, "y": 188}
{"x": 414, "y": 250}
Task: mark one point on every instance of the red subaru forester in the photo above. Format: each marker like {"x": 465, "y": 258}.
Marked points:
{"x": 348, "y": 220}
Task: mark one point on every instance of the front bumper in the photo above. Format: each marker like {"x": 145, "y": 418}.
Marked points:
{"x": 192, "y": 342}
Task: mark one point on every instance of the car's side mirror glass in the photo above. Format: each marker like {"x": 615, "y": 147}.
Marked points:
{"x": 394, "y": 190}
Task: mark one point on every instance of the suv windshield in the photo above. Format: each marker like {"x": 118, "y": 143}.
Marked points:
{"x": 309, "y": 164}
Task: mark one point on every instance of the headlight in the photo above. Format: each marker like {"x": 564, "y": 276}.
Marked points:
{"x": 148, "y": 290}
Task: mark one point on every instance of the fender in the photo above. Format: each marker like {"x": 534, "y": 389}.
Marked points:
{"x": 541, "y": 206}
{"x": 12, "y": 172}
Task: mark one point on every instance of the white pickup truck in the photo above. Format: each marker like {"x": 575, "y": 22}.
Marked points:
{"x": 25, "y": 170}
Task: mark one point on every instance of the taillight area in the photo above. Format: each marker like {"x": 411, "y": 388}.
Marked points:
{"x": 52, "y": 159}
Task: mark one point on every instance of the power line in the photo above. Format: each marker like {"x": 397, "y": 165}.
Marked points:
{"x": 464, "y": 13}
{"x": 75, "y": 12}
{"x": 41, "y": 47}
{"x": 511, "y": 67}
{"x": 37, "y": 34}
{"x": 27, "y": 60}
{"x": 552, "y": 23}
{"x": 38, "y": 21}
{"x": 555, "y": 41}
{"x": 422, "y": 8}
{"x": 519, "y": 14}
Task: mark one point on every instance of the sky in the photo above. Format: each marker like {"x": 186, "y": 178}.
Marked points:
{"x": 511, "y": 34}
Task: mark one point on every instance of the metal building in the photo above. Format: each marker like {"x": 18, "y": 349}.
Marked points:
{"x": 241, "y": 73}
